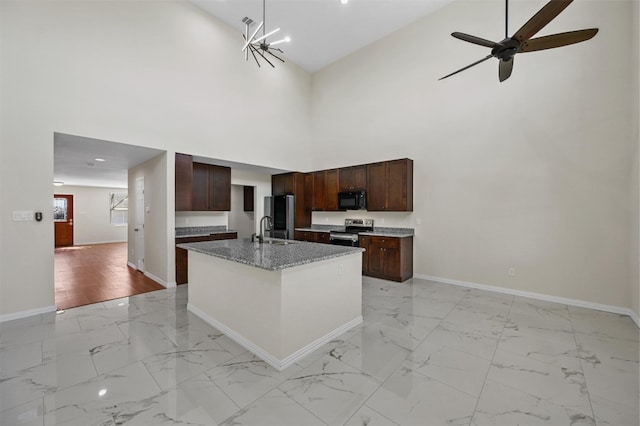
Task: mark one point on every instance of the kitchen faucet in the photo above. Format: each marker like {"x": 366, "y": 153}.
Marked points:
{"x": 269, "y": 221}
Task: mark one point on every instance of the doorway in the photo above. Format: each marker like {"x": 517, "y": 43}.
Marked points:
{"x": 63, "y": 220}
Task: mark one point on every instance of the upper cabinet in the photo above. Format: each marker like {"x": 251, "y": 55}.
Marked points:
{"x": 390, "y": 186}
{"x": 352, "y": 178}
{"x": 202, "y": 187}
{"x": 211, "y": 188}
{"x": 184, "y": 181}
{"x": 331, "y": 190}
{"x": 325, "y": 190}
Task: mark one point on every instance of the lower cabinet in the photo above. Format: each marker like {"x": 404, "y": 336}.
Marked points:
{"x": 389, "y": 258}
{"x": 312, "y": 236}
{"x": 182, "y": 258}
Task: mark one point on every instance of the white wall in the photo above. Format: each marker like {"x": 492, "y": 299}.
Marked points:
{"x": 92, "y": 215}
{"x": 239, "y": 220}
{"x": 156, "y": 220}
{"x": 186, "y": 219}
{"x": 156, "y": 74}
{"x": 532, "y": 173}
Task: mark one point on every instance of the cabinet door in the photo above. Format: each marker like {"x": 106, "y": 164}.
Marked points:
{"x": 331, "y": 190}
{"x": 219, "y": 188}
{"x": 345, "y": 177}
{"x": 247, "y": 200}
{"x": 200, "y": 188}
{"x": 184, "y": 181}
{"x": 376, "y": 186}
{"x": 359, "y": 177}
{"x": 364, "y": 243}
{"x": 376, "y": 259}
{"x": 353, "y": 178}
{"x": 399, "y": 185}
{"x": 318, "y": 191}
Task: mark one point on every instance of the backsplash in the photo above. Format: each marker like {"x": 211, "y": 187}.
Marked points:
{"x": 380, "y": 219}
{"x": 199, "y": 230}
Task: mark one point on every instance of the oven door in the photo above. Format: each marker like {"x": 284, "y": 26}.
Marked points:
{"x": 349, "y": 240}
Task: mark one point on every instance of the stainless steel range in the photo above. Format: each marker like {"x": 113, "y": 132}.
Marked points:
{"x": 352, "y": 227}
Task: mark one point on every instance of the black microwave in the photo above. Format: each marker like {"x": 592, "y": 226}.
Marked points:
{"x": 352, "y": 200}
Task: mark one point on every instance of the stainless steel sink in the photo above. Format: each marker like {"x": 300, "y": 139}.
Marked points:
{"x": 279, "y": 242}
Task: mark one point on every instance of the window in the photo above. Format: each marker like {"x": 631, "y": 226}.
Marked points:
{"x": 119, "y": 205}
{"x": 59, "y": 209}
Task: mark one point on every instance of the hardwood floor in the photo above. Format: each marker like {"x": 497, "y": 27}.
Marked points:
{"x": 95, "y": 273}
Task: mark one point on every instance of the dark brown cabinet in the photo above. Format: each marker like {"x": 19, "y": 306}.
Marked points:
{"x": 201, "y": 187}
{"x": 325, "y": 190}
{"x": 184, "y": 181}
{"x": 248, "y": 199}
{"x": 284, "y": 184}
{"x": 390, "y": 185}
{"x": 312, "y": 236}
{"x": 352, "y": 178}
{"x": 318, "y": 191}
{"x": 331, "y": 190}
{"x": 211, "y": 189}
{"x": 389, "y": 258}
{"x": 182, "y": 255}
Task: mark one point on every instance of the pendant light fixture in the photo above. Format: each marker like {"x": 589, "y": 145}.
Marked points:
{"x": 260, "y": 47}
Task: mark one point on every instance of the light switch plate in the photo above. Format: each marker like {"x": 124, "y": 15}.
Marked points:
{"x": 22, "y": 215}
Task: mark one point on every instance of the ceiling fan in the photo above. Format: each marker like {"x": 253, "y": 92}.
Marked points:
{"x": 521, "y": 41}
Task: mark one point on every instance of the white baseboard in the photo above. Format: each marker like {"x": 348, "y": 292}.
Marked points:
{"x": 28, "y": 313}
{"x": 278, "y": 364}
{"x": 93, "y": 243}
{"x": 539, "y": 296}
{"x": 153, "y": 277}
{"x": 159, "y": 280}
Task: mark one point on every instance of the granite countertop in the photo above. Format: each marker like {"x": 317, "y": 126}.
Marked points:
{"x": 377, "y": 230}
{"x": 281, "y": 254}
{"x": 201, "y": 231}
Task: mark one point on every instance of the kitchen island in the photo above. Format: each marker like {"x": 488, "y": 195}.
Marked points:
{"x": 280, "y": 299}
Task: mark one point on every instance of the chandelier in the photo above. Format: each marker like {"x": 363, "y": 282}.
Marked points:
{"x": 260, "y": 47}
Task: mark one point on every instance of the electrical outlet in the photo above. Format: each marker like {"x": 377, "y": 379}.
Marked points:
{"x": 340, "y": 268}
{"x": 418, "y": 221}
{"x": 512, "y": 272}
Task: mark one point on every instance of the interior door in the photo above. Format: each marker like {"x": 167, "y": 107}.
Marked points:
{"x": 139, "y": 228}
{"x": 63, "y": 220}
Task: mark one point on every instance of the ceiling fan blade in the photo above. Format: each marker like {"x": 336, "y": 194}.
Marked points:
{"x": 541, "y": 19}
{"x": 557, "y": 40}
{"x": 504, "y": 69}
{"x": 467, "y": 67}
{"x": 474, "y": 39}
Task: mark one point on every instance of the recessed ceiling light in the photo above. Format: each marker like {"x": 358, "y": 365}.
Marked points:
{"x": 344, "y": 1}
{"x": 58, "y": 183}
{"x": 102, "y": 392}
{"x": 100, "y": 159}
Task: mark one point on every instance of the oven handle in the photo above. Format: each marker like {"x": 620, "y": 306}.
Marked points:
{"x": 343, "y": 237}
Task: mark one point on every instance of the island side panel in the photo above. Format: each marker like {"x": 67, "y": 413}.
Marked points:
{"x": 319, "y": 298}
{"x": 243, "y": 298}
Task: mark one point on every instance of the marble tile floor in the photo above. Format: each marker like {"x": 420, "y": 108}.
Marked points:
{"x": 426, "y": 354}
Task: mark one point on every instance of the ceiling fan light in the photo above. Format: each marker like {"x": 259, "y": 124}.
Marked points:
{"x": 287, "y": 39}
{"x": 266, "y": 35}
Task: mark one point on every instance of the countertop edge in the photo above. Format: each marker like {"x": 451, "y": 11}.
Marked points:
{"x": 188, "y": 246}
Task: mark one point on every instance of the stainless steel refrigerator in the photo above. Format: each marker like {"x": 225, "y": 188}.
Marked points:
{"x": 281, "y": 208}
